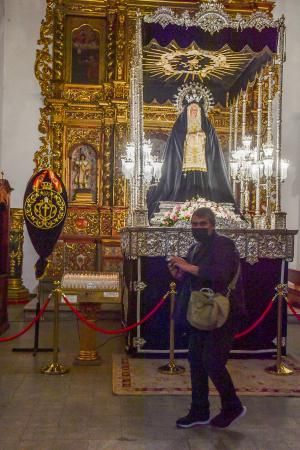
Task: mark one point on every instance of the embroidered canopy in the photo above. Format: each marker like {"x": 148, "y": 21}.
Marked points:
{"x": 222, "y": 53}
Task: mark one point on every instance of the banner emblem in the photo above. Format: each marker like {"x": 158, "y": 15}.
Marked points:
{"x": 45, "y": 208}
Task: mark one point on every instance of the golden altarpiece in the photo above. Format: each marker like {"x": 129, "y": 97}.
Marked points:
{"x": 83, "y": 64}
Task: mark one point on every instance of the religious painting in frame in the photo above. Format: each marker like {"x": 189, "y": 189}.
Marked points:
{"x": 85, "y": 50}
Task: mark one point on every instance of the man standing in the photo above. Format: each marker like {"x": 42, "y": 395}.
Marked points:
{"x": 212, "y": 263}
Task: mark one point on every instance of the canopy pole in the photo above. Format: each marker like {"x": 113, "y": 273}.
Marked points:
{"x": 258, "y": 141}
{"x": 230, "y": 148}
{"x": 270, "y": 103}
{"x": 281, "y": 57}
{"x": 236, "y": 123}
{"x": 244, "y": 111}
{"x": 230, "y": 143}
{"x": 140, "y": 213}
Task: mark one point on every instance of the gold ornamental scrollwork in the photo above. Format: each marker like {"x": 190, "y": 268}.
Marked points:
{"x": 16, "y": 240}
{"x": 130, "y": 26}
{"x": 105, "y": 221}
{"x": 43, "y": 70}
{"x": 120, "y": 191}
{"x": 88, "y": 135}
{"x": 84, "y": 115}
{"x": 44, "y": 62}
{"x": 120, "y": 145}
{"x": 82, "y": 222}
{"x": 84, "y": 95}
{"x": 158, "y": 115}
{"x": 119, "y": 218}
{"x": 79, "y": 8}
{"x": 80, "y": 257}
{"x": 55, "y": 268}
{"x": 121, "y": 91}
{"x": 16, "y": 290}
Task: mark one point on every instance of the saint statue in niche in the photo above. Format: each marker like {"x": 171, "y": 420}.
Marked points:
{"x": 83, "y": 173}
{"x": 193, "y": 164}
{"x": 85, "y": 55}
{"x": 83, "y": 170}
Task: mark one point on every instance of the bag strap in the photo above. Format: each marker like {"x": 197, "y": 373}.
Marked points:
{"x": 234, "y": 280}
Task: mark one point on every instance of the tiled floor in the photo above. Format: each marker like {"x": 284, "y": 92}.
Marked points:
{"x": 77, "y": 411}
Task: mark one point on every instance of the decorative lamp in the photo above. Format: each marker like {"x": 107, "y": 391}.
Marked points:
{"x": 255, "y": 170}
{"x": 247, "y": 143}
{"x": 268, "y": 149}
{"x": 234, "y": 168}
{"x": 268, "y": 167}
{"x": 127, "y": 168}
{"x": 284, "y": 164}
{"x": 157, "y": 165}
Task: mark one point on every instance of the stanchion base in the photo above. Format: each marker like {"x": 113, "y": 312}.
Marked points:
{"x": 87, "y": 362}
{"x": 54, "y": 369}
{"x": 282, "y": 370}
{"x": 171, "y": 369}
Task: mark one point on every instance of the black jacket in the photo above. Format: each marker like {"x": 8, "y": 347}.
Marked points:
{"x": 218, "y": 262}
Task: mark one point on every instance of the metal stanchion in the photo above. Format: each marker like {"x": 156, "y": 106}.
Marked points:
{"x": 280, "y": 368}
{"x": 55, "y": 368}
{"x": 171, "y": 368}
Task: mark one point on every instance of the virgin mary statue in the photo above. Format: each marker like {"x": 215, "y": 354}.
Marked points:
{"x": 193, "y": 164}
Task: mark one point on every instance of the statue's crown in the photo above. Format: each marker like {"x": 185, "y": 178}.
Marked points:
{"x": 194, "y": 92}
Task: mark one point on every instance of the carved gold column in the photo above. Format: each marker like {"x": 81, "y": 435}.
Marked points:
{"x": 106, "y": 212}
{"x": 106, "y": 190}
{"x": 17, "y": 293}
{"x": 120, "y": 45}
{"x": 120, "y": 193}
{"x": 119, "y": 180}
{"x": 58, "y": 42}
{"x": 110, "y": 45}
{"x": 57, "y": 130}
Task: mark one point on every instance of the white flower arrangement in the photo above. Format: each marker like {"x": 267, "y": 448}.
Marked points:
{"x": 181, "y": 215}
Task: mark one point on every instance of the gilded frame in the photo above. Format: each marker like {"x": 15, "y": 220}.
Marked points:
{"x": 97, "y": 24}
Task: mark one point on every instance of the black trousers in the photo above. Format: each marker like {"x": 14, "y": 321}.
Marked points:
{"x": 208, "y": 354}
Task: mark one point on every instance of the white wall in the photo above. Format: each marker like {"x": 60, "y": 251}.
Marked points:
{"x": 21, "y": 103}
{"x": 291, "y": 117}
{"x": 1, "y": 70}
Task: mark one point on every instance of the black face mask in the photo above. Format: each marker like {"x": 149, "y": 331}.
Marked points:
{"x": 200, "y": 235}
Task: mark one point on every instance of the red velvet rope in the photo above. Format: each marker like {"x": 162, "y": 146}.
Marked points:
{"x": 120, "y": 330}
{"x": 123, "y": 330}
{"x": 10, "y": 338}
{"x": 294, "y": 311}
{"x": 257, "y": 322}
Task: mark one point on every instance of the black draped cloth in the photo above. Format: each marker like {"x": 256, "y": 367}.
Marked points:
{"x": 174, "y": 185}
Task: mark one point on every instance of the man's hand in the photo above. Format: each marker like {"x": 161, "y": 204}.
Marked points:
{"x": 182, "y": 265}
{"x": 179, "y": 263}
{"x": 175, "y": 272}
